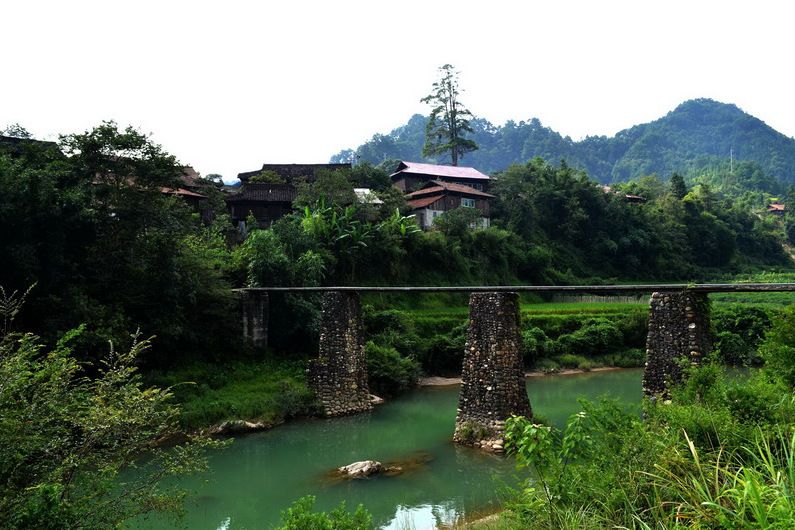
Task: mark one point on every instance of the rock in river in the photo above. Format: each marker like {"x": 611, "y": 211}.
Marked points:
{"x": 238, "y": 427}
{"x": 362, "y": 469}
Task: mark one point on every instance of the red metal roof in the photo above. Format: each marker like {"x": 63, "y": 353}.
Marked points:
{"x": 436, "y": 186}
{"x": 423, "y": 202}
{"x": 440, "y": 171}
{"x": 425, "y": 191}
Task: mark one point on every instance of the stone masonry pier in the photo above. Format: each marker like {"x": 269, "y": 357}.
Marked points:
{"x": 678, "y": 336}
{"x": 339, "y": 375}
{"x": 254, "y": 316}
{"x": 493, "y": 382}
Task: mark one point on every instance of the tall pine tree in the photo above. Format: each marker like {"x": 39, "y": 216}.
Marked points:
{"x": 449, "y": 119}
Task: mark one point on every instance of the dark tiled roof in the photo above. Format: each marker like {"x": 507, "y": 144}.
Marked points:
{"x": 439, "y": 171}
{"x": 264, "y": 192}
{"x": 16, "y": 145}
{"x": 190, "y": 177}
{"x": 290, "y": 172}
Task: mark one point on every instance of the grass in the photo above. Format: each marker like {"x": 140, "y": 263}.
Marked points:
{"x": 269, "y": 391}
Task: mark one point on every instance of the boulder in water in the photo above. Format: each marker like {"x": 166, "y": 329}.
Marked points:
{"x": 238, "y": 427}
{"x": 362, "y": 469}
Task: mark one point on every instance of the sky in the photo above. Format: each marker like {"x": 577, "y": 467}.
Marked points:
{"x": 229, "y": 85}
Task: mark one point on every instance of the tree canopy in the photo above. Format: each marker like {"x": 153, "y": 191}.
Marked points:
{"x": 449, "y": 120}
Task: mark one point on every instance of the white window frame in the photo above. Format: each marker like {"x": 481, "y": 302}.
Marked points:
{"x": 466, "y": 202}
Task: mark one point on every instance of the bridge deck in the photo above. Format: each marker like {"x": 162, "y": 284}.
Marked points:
{"x": 672, "y": 287}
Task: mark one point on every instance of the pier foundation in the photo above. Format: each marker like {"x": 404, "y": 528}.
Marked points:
{"x": 678, "y": 337}
{"x": 339, "y": 375}
{"x": 493, "y": 382}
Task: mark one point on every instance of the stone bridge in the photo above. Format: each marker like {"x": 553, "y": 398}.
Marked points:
{"x": 493, "y": 382}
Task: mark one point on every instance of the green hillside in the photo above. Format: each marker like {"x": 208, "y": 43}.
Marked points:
{"x": 697, "y": 134}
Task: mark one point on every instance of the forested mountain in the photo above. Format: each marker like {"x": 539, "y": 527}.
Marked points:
{"x": 699, "y": 133}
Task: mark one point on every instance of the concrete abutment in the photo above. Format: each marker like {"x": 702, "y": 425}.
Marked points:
{"x": 254, "y": 307}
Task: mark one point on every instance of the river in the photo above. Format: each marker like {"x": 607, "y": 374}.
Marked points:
{"x": 261, "y": 474}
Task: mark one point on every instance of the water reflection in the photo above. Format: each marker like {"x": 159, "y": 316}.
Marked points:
{"x": 262, "y": 474}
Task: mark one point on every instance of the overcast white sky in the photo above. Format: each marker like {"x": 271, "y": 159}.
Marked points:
{"x": 228, "y": 85}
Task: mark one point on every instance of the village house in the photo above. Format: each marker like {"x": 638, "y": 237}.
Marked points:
{"x": 409, "y": 176}
{"x": 433, "y": 189}
{"x": 776, "y": 208}
{"x": 437, "y": 197}
{"x": 292, "y": 173}
{"x": 626, "y": 196}
{"x": 266, "y": 201}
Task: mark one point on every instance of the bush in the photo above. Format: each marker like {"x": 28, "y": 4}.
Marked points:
{"x": 595, "y": 337}
{"x": 738, "y": 331}
{"x": 65, "y": 439}
{"x": 568, "y": 360}
{"x": 535, "y": 345}
{"x": 393, "y": 328}
{"x": 445, "y": 352}
{"x": 732, "y": 349}
{"x": 778, "y": 349}
{"x": 389, "y": 372}
{"x": 269, "y": 391}
{"x": 547, "y": 366}
{"x": 300, "y": 516}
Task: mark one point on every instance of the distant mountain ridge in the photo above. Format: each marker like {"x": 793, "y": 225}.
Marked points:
{"x": 695, "y": 134}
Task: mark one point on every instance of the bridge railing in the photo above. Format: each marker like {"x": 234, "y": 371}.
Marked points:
{"x": 585, "y": 289}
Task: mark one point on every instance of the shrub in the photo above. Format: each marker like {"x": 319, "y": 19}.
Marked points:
{"x": 547, "y": 366}
{"x": 389, "y": 372}
{"x": 738, "y": 330}
{"x": 445, "y": 352}
{"x": 65, "y": 439}
{"x": 300, "y": 516}
{"x": 778, "y": 349}
{"x": 534, "y": 344}
{"x": 569, "y": 360}
{"x": 595, "y": 337}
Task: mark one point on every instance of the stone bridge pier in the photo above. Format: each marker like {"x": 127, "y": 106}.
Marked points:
{"x": 254, "y": 317}
{"x": 493, "y": 381}
{"x": 339, "y": 375}
{"x": 678, "y": 337}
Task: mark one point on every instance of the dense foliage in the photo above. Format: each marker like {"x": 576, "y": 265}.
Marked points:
{"x": 695, "y": 134}
{"x": 65, "y": 439}
{"x": 107, "y": 248}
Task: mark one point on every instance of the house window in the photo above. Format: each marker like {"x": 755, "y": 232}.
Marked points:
{"x": 467, "y": 203}
{"x": 477, "y": 186}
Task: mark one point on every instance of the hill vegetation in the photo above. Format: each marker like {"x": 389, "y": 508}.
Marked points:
{"x": 699, "y": 134}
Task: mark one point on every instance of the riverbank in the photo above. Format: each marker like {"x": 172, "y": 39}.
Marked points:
{"x": 263, "y": 394}
{"x": 450, "y": 381}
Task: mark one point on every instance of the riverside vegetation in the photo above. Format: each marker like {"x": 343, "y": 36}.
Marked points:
{"x": 719, "y": 454}
{"x": 108, "y": 253}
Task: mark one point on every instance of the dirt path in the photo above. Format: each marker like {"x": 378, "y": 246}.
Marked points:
{"x": 448, "y": 381}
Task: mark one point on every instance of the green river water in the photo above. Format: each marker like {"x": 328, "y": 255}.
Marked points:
{"x": 261, "y": 474}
